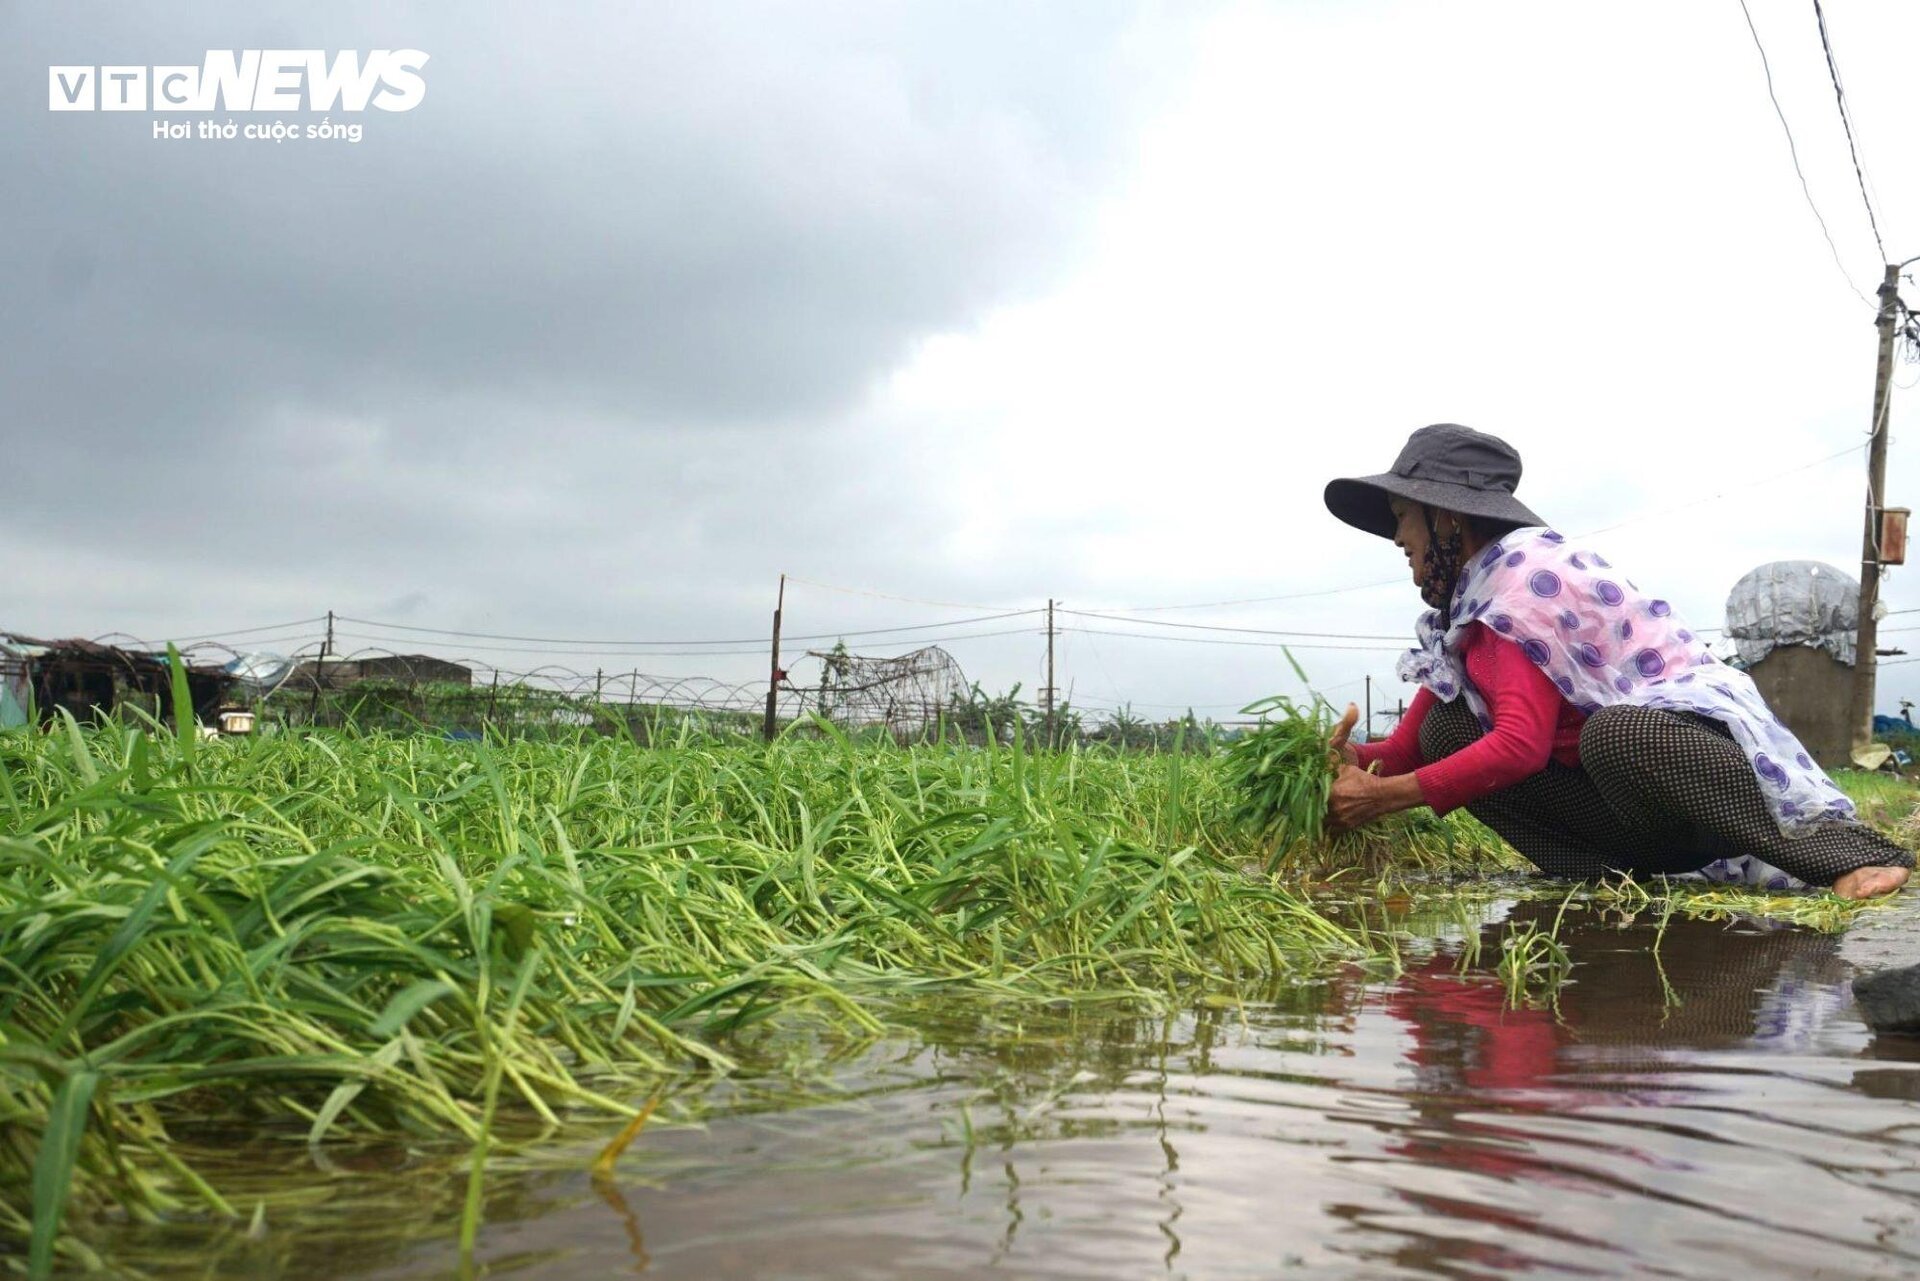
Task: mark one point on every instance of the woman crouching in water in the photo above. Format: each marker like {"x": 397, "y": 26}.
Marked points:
{"x": 1572, "y": 713}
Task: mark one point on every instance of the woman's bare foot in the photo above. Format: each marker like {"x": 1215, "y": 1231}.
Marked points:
{"x": 1866, "y": 882}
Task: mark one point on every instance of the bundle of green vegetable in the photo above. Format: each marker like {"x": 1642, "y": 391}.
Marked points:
{"x": 1279, "y": 778}
{"x": 1282, "y": 772}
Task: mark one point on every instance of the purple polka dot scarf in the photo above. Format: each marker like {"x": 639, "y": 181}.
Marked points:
{"x": 1602, "y": 642}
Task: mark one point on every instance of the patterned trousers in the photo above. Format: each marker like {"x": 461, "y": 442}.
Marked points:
{"x": 1656, "y": 792}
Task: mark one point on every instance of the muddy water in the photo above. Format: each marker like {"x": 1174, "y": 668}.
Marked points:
{"x": 1711, "y": 1108}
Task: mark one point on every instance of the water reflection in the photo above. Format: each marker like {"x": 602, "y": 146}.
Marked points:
{"x": 1493, "y": 1085}
{"x": 616, "y": 1200}
{"x": 1707, "y": 1107}
{"x": 1630, "y": 1002}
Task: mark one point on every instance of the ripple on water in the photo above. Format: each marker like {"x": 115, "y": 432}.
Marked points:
{"x": 1717, "y": 1110}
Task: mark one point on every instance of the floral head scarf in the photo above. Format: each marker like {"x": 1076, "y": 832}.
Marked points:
{"x": 1603, "y": 642}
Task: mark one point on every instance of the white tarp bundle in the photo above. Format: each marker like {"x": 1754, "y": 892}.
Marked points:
{"x": 260, "y": 673}
{"x": 1794, "y": 602}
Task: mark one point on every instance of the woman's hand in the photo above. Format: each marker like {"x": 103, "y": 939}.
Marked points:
{"x": 1343, "y": 751}
{"x": 1358, "y": 798}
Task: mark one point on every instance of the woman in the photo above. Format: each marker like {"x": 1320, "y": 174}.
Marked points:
{"x": 1572, "y": 713}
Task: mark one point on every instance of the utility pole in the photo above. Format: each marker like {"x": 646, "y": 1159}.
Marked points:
{"x": 319, "y": 672}
{"x": 1369, "y": 733}
{"x": 1047, "y": 693}
{"x": 773, "y": 680}
{"x": 1865, "y": 661}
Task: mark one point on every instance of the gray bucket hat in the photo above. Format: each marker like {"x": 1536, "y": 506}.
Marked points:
{"x": 1447, "y": 466}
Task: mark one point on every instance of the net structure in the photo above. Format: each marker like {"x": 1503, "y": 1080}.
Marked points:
{"x": 906, "y": 693}
{"x": 375, "y": 688}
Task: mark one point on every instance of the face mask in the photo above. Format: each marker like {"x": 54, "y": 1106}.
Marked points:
{"x": 1440, "y": 567}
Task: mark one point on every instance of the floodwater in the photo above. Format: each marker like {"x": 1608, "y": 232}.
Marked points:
{"x": 1710, "y": 1108}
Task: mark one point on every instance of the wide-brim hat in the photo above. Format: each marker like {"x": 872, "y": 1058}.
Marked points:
{"x": 1445, "y": 466}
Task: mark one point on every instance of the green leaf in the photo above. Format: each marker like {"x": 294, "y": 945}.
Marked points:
{"x": 132, "y": 930}
{"x": 516, "y": 922}
{"x": 349, "y": 1090}
{"x": 408, "y": 1002}
{"x": 53, "y": 1167}
{"x": 184, "y": 725}
{"x": 77, "y": 744}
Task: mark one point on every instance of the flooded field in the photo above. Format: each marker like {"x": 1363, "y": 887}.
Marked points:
{"x": 1689, "y": 1098}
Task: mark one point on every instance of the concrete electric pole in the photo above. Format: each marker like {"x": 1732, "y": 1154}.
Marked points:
{"x": 1865, "y": 662}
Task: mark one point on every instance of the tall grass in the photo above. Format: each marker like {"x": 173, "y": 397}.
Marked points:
{"x": 330, "y": 935}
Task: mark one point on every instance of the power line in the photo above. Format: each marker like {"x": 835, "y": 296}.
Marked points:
{"x": 256, "y": 643}
{"x": 570, "y": 653}
{"x": 759, "y": 652}
{"x": 1216, "y": 640}
{"x": 1794, "y": 152}
{"x": 1402, "y": 580}
{"x": 1266, "y": 600}
{"x": 911, "y": 600}
{"x": 1734, "y": 489}
{"x": 237, "y": 631}
{"x": 1846, "y": 122}
{"x": 630, "y": 644}
{"x": 1220, "y": 627}
{"x": 936, "y": 640}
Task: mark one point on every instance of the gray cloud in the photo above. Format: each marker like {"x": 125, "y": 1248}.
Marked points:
{"x": 550, "y": 298}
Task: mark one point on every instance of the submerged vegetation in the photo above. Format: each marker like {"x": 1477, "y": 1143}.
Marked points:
{"x": 327, "y": 936}
{"x": 330, "y": 935}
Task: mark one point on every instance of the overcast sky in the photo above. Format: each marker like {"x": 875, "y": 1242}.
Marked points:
{"x": 971, "y": 304}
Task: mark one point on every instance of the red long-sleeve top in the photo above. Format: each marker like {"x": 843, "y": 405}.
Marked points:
{"x": 1532, "y": 724}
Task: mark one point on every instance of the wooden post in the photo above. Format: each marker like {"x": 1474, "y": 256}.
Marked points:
{"x": 319, "y": 670}
{"x": 773, "y": 678}
{"x": 1369, "y": 733}
{"x": 1865, "y": 661}
{"x": 1049, "y": 692}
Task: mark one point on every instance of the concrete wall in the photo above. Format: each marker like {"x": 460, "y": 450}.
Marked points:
{"x": 404, "y": 669}
{"x": 1809, "y": 689}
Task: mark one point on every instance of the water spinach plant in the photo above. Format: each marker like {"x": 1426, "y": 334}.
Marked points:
{"x": 337, "y": 935}
{"x": 1282, "y": 772}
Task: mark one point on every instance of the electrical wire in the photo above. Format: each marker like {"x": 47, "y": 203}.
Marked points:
{"x": 911, "y": 600}
{"x": 1401, "y": 580}
{"x": 1220, "y": 627}
{"x": 1846, "y": 122}
{"x": 1215, "y": 640}
{"x": 1714, "y": 498}
{"x": 619, "y": 644}
{"x": 571, "y": 653}
{"x": 1794, "y": 152}
{"x": 236, "y": 631}
{"x": 1397, "y": 581}
{"x": 759, "y": 652}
